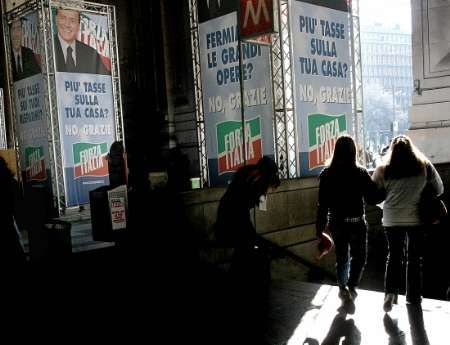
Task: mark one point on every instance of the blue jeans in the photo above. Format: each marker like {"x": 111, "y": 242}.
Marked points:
{"x": 350, "y": 240}
{"x": 404, "y": 242}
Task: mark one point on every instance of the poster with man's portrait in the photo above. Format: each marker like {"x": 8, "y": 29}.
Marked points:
{"x": 28, "y": 97}
{"x": 84, "y": 90}
{"x": 81, "y": 42}
{"x": 25, "y": 47}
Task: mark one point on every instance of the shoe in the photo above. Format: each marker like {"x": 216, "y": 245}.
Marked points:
{"x": 389, "y": 300}
{"x": 414, "y": 301}
{"x": 353, "y": 293}
{"x": 347, "y": 306}
{"x": 413, "y": 298}
{"x": 344, "y": 293}
{"x": 396, "y": 335}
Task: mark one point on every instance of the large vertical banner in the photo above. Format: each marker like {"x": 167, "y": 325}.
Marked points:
{"x": 323, "y": 96}
{"x": 85, "y": 99}
{"x": 28, "y": 100}
{"x": 228, "y": 144}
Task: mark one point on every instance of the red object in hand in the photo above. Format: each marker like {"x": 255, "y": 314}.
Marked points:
{"x": 325, "y": 244}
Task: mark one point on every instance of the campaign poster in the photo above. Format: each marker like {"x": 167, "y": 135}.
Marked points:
{"x": 229, "y": 142}
{"x": 31, "y": 122}
{"x": 322, "y": 73}
{"x": 85, "y": 99}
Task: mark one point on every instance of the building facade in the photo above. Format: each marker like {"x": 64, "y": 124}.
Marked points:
{"x": 387, "y": 79}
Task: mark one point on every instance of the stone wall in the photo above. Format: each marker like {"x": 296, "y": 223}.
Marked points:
{"x": 290, "y": 222}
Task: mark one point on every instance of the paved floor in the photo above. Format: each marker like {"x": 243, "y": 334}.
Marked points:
{"x": 183, "y": 303}
{"x": 305, "y": 313}
{"x": 81, "y": 233}
{"x": 108, "y": 284}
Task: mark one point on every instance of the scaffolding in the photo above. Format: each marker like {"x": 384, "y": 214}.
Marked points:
{"x": 357, "y": 82}
{"x": 200, "y": 117}
{"x": 8, "y": 17}
{"x": 285, "y": 120}
{"x": 283, "y": 88}
{"x": 44, "y": 10}
{"x": 3, "y": 140}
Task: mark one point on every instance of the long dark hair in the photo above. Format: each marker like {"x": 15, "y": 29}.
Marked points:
{"x": 403, "y": 159}
{"x": 344, "y": 155}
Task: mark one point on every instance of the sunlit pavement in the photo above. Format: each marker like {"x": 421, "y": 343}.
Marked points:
{"x": 306, "y": 313}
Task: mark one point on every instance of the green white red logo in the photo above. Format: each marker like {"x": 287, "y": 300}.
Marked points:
{"x": 230, "y": 144}
{"x": 90, "y": 159}
{"x": 323, "y": 131}
{"x": 35, "y": 163}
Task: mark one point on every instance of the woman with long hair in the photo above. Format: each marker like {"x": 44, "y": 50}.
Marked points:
{"x": 402, "y": 176}
{"x": 343, "y": 188}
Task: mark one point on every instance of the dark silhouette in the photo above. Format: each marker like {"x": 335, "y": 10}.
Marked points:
{"x": 117, "y": 165}
{"x": 234, "y": 226}
{"x": 346, "y": 220}
{"x": 250, "y": 273}
{"x": 24, "y": 63}
{"x": 396, "y": 335}
{"x": 415, "y": 316}
{"x": 178, "y": 168}
{"x": 12, "y": 254}
{"x": 342, "y": 328}
{"x": 72, "y": 55}
{"x": 403, "y": 176}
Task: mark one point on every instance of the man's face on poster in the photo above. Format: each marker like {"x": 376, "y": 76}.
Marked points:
{"x": 16, "y": 35}
{"x": 68, "y": 24}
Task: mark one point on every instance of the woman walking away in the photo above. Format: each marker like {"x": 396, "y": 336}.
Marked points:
{"x": 344, "y": 185}
{"x": 403, "y": 177}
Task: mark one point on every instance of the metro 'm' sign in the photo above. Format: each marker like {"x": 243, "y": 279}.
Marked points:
{"x": 256, "y": 17}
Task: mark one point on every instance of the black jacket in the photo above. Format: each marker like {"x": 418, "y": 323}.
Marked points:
{"x": 342, "y": 193}
{"x": 87, "y": 59}
{"x": 234, "y": 226}
{"x": 30, "y": 65}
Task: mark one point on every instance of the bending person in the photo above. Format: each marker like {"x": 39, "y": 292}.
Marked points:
{"x": 250, "y": 269}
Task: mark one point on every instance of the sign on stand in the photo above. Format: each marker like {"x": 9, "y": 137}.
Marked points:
{"x": 118, "y": 205}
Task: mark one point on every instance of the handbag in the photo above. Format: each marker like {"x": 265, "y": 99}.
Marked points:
{"x": 432, "y": 209}
{"x": 325, "y": 243}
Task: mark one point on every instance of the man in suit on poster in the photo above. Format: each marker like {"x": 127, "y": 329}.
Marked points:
{"x": 24, "y": 62}
{"x": 72, "y": 55}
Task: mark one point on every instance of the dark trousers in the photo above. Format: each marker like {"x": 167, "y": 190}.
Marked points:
{"x": 350, "y": 240}
{"x": 405, "y": 242}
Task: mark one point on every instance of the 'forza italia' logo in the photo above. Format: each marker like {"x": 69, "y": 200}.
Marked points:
{"x": 230, "y": 144}
{"x": 90, "y": 159}
{"x": 323, "y": 131}
{"x": 35, "y": 163}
